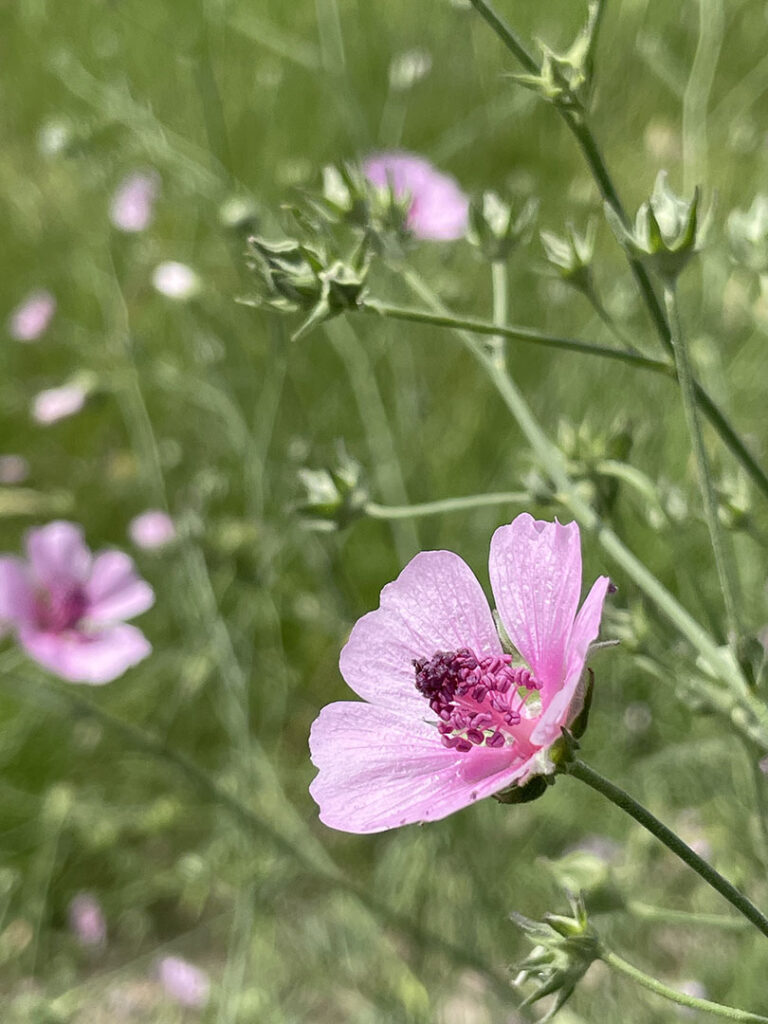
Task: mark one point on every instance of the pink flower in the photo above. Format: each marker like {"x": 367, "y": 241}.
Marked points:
{"x": 152, "y": 529}
{"x": 132, "y": 205}
{"x": 86, "y": 919}
{"x": 67, "y": 607}
{"x": 438, "y": 209}
{"x": 450, "y": 717}
{"x": 32, "y": 316}
{"x": 184, "y": 982}
{"x": 57, "y": 403}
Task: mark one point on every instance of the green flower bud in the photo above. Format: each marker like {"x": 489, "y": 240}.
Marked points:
{"x": 570, "y": 256}
{"x": 748, "y": 235}
{"x": 496, "y": 228}
{"x": 335, "y": 496}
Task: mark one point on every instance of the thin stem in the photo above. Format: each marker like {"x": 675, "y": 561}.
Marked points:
{"x": 725, "y": 570}
{"x": 514, "y": 333}
{"x": 579, "y": 128}
{"x": 687, "y": 917}
{"x": 681, "y": 998}
{"x": 434, "y": 508}
{"x": 671, "y": 840}
{"x": 500, "y": 291}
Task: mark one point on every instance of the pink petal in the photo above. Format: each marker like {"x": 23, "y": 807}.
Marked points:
{"x": 58, "y": 554}
{"x": 114, "y": 590}
{"x": 17, "y": 600}
{"x": 535, "y": 570}
{"x": 558, "y": 712}
{"x": 439, "y": 209}
{"x": 435, "y": 604}
{"x": 378, "y": 770}
{"x": 81, "y": 658}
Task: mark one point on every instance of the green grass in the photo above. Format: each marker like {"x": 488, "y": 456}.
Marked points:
{"x": 207, "y": 407}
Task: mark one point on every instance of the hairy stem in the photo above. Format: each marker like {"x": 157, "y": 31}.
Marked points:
{"x": 628, "y": 804}
{"x": 620, "y": 965}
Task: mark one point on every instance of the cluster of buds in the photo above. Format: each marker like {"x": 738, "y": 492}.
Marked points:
{"x": 666, "y": 232}
{"x": 748, "y": 235}
{"x": 296, "y": 277}
{"x": 496, "y": 228}
{"x": 566, "y": 78}
{"x": 349, "y": 198}
{"x": 335, "y": 496}
{"x": 564, "y": 949}
{"x": 570, "y": 257}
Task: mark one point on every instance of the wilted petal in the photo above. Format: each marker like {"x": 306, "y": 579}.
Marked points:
{"x": 87, "y": 658}
{"x": 557, "y": 712}
{"x": 535, "y": 570}
{"x": 17, "y": 598}
{"x": 58, "y": 555}
{"x": 435, "y": 604}
{"x": 114, "y": 590}
{"x": 379, "y": 770}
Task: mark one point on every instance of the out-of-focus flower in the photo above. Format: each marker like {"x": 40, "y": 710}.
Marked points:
{"x": 152, "y": 529}
{"x": 175, "y": 280}
{"x": 57, "y": 403}
{"x": 438, "y": 208}
{"x": 748, "y": 235}
{"x": 406, "y": 69}
{"x": 187, "y": 984}
{"x": 14, "y": 469}
{"x": 68, "y": 607}
{"x": 87, "y": 921}
{"x": 32, "y": 316}
{"x": 433, "y": 644}
{"x": 133, "y": 204}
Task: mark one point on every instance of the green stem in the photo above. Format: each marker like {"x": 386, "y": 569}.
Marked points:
{"x": 687, "y": 917}
{"x": 514, "y": 333}
{"x": 579, "y": 128}
{"x": 725, "y": 569}
{"x": 434, "y": 508}
{"x": 670, "y": 839}
{"x": 681, "y": 998}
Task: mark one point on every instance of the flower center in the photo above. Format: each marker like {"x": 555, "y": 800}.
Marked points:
{"x": 58, "y": 611}
{"x": 478, "y": 700}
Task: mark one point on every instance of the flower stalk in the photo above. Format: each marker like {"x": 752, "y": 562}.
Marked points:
{"x": 434, "y": 508}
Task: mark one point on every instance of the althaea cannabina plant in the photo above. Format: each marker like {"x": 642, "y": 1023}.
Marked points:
{"x": 450, "y": 716}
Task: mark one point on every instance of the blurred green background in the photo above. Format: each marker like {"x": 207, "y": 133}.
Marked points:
{"x": 204, "y": 406}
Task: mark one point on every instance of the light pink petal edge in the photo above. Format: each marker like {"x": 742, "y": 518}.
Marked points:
{"x": 78, "y": 658}
{"x": 435, "y": 604}
{"x": 114, "y": 590}
{"x": 16, "y": 595}
{"x": 378, "y": 771}
{"x": 558, "y": 712}
{"x": 535, "y": 570}
{"x": 58, "y": 554}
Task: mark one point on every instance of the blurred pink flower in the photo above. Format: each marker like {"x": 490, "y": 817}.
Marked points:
{"x": 152, "y": 529}
{"x": 32, "y": 316}
{"x": 438, "y": 209}
{"x": 187, "y": 984}
{"x": 132, "y": 206}
{"x": 57, "y": 403}
{"x": 433, "y": 643}
{"x": 86, "y": 920}
{"x": 68, "y": 607}
{"x": 14, "y": 469}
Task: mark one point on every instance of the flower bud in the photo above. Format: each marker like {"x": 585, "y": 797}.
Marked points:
{"x": 570, "y": 256}
{"x": 496, "y": 228}
{"x": 334, "y": 496}
{"x": 748, "y": 235}
{"x": 666, "y": 232}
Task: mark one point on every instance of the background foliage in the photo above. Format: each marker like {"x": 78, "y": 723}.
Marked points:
{"x": 205, "y": 406}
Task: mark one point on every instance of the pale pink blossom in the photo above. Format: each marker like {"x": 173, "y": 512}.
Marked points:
{"x": 152, "y": 529}
{"x": 57, "y": 403}
{"x": 14, "y": 469}
{"x": 133, "y": 203}
{"x": 187, "y": 984}
{"x": 68, "y": 607}
{"x": 438, "y": 208}
{"x": 32, "y": 316}
{"x": 448, "y": 717}
{"x": 175, "y": 281}
{"x": 86, "y": 920}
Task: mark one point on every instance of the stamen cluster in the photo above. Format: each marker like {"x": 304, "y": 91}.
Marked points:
{"x": 476, "y": 699}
